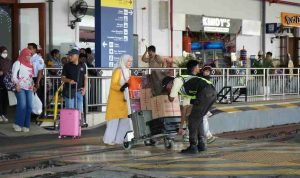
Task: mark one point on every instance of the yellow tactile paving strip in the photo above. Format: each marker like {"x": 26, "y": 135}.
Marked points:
{"x": 260, "y": 161}
{"x": 250, "y": 107}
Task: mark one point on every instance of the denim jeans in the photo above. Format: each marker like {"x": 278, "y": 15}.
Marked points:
{"x": 71, "y": 101}
{"x": 24, "y": 108}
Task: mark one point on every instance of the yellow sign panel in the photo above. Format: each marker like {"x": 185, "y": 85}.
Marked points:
{"x": 126, "y": 4}
{"x": 290, "y": 20}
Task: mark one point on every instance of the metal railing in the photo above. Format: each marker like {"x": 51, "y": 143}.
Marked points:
{"x": 259, "y": 82}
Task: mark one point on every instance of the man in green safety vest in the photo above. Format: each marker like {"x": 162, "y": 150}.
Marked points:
{"x": 202, "y": 94}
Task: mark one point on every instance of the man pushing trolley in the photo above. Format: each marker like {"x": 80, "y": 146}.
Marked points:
{"x": 203, "y": 96}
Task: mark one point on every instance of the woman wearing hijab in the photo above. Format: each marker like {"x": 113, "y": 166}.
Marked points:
{"x": 22, "y": 73}
{"x": 5, "y": 65}
{"x": 118, "y": 108}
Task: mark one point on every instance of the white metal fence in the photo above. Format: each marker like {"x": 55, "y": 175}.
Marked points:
{"x": 259, "y": 82}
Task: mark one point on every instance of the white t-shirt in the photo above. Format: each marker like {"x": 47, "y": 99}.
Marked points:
{"x": 177, "y": 85}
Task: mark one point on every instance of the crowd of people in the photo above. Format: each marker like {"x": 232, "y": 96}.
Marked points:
{"x": 23, "y": 76}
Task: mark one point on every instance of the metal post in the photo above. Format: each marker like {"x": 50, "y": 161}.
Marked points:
{"x": 264, "y": 83}
{"x": 45, "y": 91}
{"x": 87, "y": 94}
{"x": 50, "y": 5}
{"x": 298, "y": 81}
{"x": 263, "y": 35}
{"x": 283, "y": 83}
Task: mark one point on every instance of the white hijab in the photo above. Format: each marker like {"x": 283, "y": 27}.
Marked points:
{"x": 125, "y": 71}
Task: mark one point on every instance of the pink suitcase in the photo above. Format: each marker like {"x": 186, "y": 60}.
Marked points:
{"x": 70, "y": 123}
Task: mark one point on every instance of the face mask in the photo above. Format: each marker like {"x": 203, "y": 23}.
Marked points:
{"x": 4, "y": 55}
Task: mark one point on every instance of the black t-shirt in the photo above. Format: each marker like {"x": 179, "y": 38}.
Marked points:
{"x": 76, "y": 73}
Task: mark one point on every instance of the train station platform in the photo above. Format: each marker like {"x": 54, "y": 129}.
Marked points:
{"x": 89, "y": 157}
{"x": 258, "y": 112}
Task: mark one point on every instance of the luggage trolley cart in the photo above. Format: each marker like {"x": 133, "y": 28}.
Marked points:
{"x": 151, "y": 131}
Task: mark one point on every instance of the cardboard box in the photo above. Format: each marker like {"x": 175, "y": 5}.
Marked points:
{"x": 155, "y": 108}
{"x": 162, "y": 107}
{"x": 145, "y": 98}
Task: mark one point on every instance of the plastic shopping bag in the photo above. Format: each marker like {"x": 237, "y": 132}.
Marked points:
{"x": 37, "y": 106}
{"x": 12, "y": 98}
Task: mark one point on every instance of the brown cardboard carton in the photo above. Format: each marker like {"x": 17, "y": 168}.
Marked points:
{"x": 162, "y": 107}
{"x": 155, "y": 108}
{"x": 146, "y": 99}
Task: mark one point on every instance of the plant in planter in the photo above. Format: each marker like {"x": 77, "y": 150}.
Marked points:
{"x": 182, "y": 63}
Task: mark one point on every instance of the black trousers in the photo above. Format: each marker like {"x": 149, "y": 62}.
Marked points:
{"x": 3, "y": 101}
{"x": 205, "y": 99}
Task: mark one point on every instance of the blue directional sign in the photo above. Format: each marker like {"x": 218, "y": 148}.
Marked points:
{"x": 116, "y": 29}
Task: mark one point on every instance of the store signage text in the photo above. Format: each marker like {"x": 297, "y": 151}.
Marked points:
{"x": 291, "y": 20}
{"x": 212, "y": 24}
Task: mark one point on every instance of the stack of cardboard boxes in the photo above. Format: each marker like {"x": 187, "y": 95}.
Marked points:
{"x": 160, "y": 105}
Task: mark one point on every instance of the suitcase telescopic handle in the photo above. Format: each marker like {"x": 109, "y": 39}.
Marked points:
{"x": 75, "y": 95}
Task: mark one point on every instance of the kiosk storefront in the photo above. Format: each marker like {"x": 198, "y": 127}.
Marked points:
{"x": 213, "y": 39}
{"x": 290, "y": 40}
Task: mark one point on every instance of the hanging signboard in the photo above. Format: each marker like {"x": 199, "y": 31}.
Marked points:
{"x": 290, "y": 20}
{"x": 216, "y": 24}
{"x": 114, "y": 23}
{"x": 198, "y": 23}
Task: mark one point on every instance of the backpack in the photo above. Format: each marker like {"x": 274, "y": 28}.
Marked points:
{"x": 8, "y": 82}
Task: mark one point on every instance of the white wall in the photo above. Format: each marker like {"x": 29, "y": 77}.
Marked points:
{"x": 147, "y": 27}
{"x": 238, "y": 9}
{"x": 141, "y": 24}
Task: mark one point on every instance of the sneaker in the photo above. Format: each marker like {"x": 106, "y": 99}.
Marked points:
{"x": 17, "y": 128}
{"x": 4, "y": 118}
{"x": 25, "y": 129}
{"x": 190, "y": 150}
{"x": 1, "y": 119}
{"x": 209, "y": 114}
{"x": 211, "y": 139}
{"x": 201, "y": 147}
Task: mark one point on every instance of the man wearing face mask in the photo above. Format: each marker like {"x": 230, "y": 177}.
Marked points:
{"x": 5, "y": 65}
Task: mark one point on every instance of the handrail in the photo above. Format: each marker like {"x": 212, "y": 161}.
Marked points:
{"x": 259, "y": 81}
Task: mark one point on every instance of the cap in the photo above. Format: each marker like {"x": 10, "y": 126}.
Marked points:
{"x": 260, "y": 53}
{"x": 166, "y": 81}
{"x": 73, "y": 51}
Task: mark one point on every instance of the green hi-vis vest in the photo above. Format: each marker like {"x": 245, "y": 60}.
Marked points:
{"x": 192, "y": 85}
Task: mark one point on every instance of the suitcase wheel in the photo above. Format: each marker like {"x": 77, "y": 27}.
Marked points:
{"x": 127, "y": 145}
{"x": 169, "y": 143}
{"x": 60, "y": 137}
